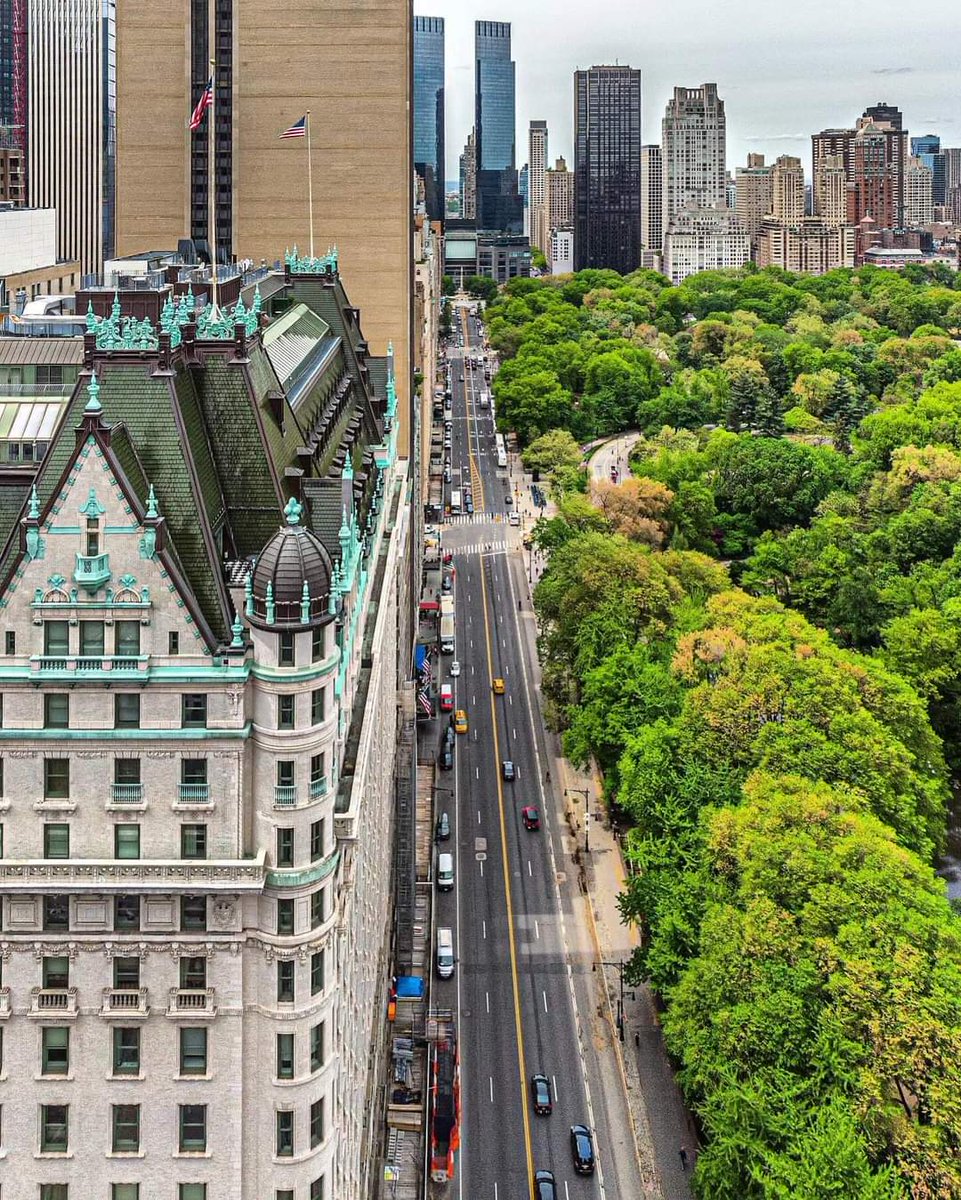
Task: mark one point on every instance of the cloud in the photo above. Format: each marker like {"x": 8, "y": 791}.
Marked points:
{"x": 777, "y": 137}
{"x": 893, "y": 71}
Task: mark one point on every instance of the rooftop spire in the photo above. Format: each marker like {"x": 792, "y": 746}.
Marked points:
{"x": 93, "y": 406}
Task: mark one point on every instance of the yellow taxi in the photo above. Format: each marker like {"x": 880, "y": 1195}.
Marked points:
{"x": 498, "y": 686}
{"x": 460, "y": 721}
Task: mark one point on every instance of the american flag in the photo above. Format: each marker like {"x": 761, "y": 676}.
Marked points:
{"x": 423, "y": 699}
{"x": 205, "y": 101}
{"x": 298, "y": 129}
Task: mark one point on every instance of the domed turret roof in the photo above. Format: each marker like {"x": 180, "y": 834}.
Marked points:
{"x": 291, "y": 580}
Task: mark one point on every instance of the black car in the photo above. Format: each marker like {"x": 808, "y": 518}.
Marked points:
{"x": 541, "y": 1092}
{"x": 447, "y": 758}
{"x": 442, "y": 828}
{"x": 507, "y": 767}
{"x": 544, "y": 1186}
{"x": 509, "y": 500}
{"x": 582, "y": 1149}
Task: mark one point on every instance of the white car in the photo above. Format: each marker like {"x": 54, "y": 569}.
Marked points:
{"x": 513, "y": 519}
{"x": 455, "y": 668}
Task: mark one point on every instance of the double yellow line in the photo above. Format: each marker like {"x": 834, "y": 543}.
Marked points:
{"x": 477, "y": 483}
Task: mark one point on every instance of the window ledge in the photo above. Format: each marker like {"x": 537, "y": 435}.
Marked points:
{"x": 124, "y": 1154}
{"x": 68, "y": 1077}
{"x": 55, "y": 1154}
{"x": 125, "y": 1078}
{"x": 65, "y": 806}
{"x": 192, "y": 1078}
{"x": 193, "y": 1154}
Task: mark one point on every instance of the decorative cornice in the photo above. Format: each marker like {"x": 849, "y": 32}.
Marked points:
{"x": 95, "y": 875}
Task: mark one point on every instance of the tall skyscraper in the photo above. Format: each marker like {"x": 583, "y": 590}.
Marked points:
{"x": 880, "y": 151}
{"x": 693, "y": 150}
{"x": 537, "y": 185}
{"x": 787, "y": 190}
{"x": 468, "y": 179}
{"x": 753, "y": 195}
{"x": 499, "y": 205}
{"x": 652, "y": 198}
{"x": 273, "y": 65}
{"x": 71, "y": 126}
{"x": 429, "y": 111}
{"x": 952, "y": 181}
{"x": 928, "y": 149}
{"x": 830, "y": 195}
{"x": 7, "y": 120}
{"x": 607, "y": 168}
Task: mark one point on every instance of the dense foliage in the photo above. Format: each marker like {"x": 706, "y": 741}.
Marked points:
{"x": 785, "y": 749}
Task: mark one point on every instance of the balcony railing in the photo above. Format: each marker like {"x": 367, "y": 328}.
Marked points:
{"x": 126, "y": 793}
{"x": 92, "y": 571}
{"x": 192, "y": 1003}
{"x": 194, "y": 793}
{"x": 53, "y": 1004}
{"x": 4, "y": 1003}
{"x": 126, "y": 1003}
{"x": 285, "y": 795}
{"x": 318, "y": 788}
{"x": 89, "y": 662}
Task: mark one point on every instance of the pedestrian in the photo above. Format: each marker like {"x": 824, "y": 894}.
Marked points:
{"x": 682, "y": 1153}
{"x": 547, "y": 776}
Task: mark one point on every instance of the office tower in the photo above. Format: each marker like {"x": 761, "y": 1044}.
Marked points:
{"x": 607, "y": 168}
{"x": 730, "y": 192}
{"x": 693, "y": 151}
{"x": 537, "y": 185}
{"x": 71, "y": 129}
{"x": 652, "y": 198}
{"x": 918, "y": 193}
{"x": 7, "y": 119}
{"x": 952, "y": 182}
{"x": 560, "y": 196}
{"x": 468, "y": 179}
{"x": 753, "y": 195}
{"x": 880, "y": 151}
{"x": 499, "y": 206}
{"x": 201, "y": 623}
{"x": 830, "y": 195}
{"x": 928, "y": 149}
{"x": 787, "y": 190}
{"x": 353, "y": 72}
{"x": 429, "y": 111}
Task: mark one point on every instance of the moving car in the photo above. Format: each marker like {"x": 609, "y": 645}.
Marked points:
{"x": 469, "y": 504}
{"x": 544, "y": 1186}
{"x": 531, "y": 817}
{"x": 460, "y": 721}
{"x": 508, "y": 500}
{"x": 455, "y": 668}
{"x": 446, "y": 697}
{"x": 541, "y": 1093}
{"x": 514, "y": 519}
{"x": 507, "y": 767}
{"x": 582, "y": 1149}
{"x": 442, "y": 828}
{"x": 497, "y": 686}
{"x": 448, "y": 584}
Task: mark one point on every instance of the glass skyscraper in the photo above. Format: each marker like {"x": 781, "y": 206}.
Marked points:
{"x": 499, "y": 205}
{"x": 429, "y": 111}
{"x": 928, "y": 149}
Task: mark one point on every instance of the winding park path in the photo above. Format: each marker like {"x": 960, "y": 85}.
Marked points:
{"x": 609, "y": 454}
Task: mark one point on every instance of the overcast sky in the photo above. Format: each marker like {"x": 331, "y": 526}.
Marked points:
{"x": 784, "y": 68}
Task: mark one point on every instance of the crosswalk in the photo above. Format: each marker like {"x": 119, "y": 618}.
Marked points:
{"x": 475, "y": 518}
{"x": 494, "y": 546}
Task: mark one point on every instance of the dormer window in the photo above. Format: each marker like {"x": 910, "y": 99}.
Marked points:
{"x": 93, "y": 537}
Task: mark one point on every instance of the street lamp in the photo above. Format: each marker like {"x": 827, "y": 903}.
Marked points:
{"x": 587, "y": 815}
{"x": 619, "y": 967}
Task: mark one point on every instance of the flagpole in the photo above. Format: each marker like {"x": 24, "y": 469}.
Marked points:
{"x": 211, "y": 175}
{"x": 310, "y": 187}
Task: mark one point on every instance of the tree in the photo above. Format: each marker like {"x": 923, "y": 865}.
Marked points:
{"x": 636, "y": 508}
{"x": 530, "y": 404}
{"x": 447, "y": 286}
{"x": 551, "y": 451}
{"x": 482, "y": 287}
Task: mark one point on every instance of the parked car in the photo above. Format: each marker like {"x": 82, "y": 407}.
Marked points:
{"x": 544, "y": 1186}
{"x": 531, "y": 818}
{"x": 541, "y": 1093}
{"x": 455, "y": 668}
{"x": 446, "y": 697}
{"x": 507, "y": 767}
{"x": 442, "y": 828}
{"x": 448, "y": 584}
{"x": 582, "y": 1149}
{"x": 446, "y": 757}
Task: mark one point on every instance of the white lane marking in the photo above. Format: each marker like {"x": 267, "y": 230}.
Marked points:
{"x": 478, "y": 816}
{"x": 537, "y": 930}
{"x": 481, "y": 865}
{"x": 487, "y": 998}
{"x": 544, "y": 996}
{"x": 510, "y": 701}
{"x": 477, "y": 772}
{"x": 484, "y": 923}
{"x": 566, "y": 1192}
{"x": 529, "y": 870}
{"x": 491, "y": 1078}
{"x": 554, "y": 1087}
{"x": 514, "y": 734}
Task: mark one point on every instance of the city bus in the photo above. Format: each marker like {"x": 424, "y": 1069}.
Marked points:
{"x": 501, "y": 450}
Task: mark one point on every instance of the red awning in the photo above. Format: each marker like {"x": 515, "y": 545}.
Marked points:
{"x": 430, "y": 606}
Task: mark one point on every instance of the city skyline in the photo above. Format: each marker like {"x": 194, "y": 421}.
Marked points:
{"x": 763, "y": 64}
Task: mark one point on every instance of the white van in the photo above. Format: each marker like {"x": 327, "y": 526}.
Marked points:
{"x": 445, "y": 872}
{"x": 445, "y": 953}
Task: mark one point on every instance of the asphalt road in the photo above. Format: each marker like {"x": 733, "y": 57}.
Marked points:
{"x": 516, "y": 979}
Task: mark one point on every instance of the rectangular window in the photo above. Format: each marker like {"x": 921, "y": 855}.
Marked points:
{"x": 126, "y": 972}
{"x": 193, "y": 914}
{"x": 193, "y": 973}
{"x": 126, "y": 1051}
{"x": 286, "y": 658}
{"x": 284, "y": 1194}
{"x": 285, "y": 712}
{"x": 285, "y": 847}
{"x": 56, "y": 840}
{"x": 56, "y": 779}
{"x": 126, "y": 1128}
{"x": 285, "y": 1134}
{"x": 285, "y": 773}
{"x": 173, "y": 642}
{"x": 191, "y": 1191}
{"x": 285, "y": 980}
{"x": 126, "y": 841}
{"x": 316, "y": 1123}
{"x": 193, "y": 1127}
{"x": 126, "y": 710}
{"x": 93, "y": 537}
{"x": 317, "y": 1188}
{"x": 316, "y": 972}
{"x": 317, "y": 1047}
{"x": 53, "y": 1191}
{"x": 127, "y": 639}
{"x": 125, "y": 1191}
{"x": 317, "y": 705}
{"x": 285, "y": 916}
{"x": 316, "y": 840}
{"x": 55, "y": 1050}
{"x": 193, "y": 710}
{"x": 10, "y": 641}
{"x": 285, "y": 1056}
{"x": 126, "y": 912}
{"x": 193, "y": 841}
{"x": 317, "y": 908}
{"x": 55, "y": 971}
{"x": 193, "y": 1051}
{"x": 193, "y": 770}
{"x": 317, "y": 643}
{"x": 56, "y": 912}
{"x": 56, "y": 639}
{"x": 53, "y": 1128}
{"x": 91, "y": 639}
{"x": 56, "y": 711}
{"x": 316, "y": 771}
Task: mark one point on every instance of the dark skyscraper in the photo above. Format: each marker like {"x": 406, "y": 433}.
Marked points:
{"x": 429, "y": 111}
{"x": 499, "y": 205}
{"x": 607, "y": 168}
{"x": 928, "y": 149}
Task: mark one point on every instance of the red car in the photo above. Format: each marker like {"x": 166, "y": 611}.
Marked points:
{"x": 531, "y": 817}
{"x": 446, "y": 698}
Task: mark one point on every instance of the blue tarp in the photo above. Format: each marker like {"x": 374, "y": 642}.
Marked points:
{"x": 410, "y": 987}
{"x": 421, "y": 657}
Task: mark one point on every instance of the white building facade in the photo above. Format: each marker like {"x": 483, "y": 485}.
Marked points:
{"x": 562, "y": 251}
{"x": 704, "y": 239}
